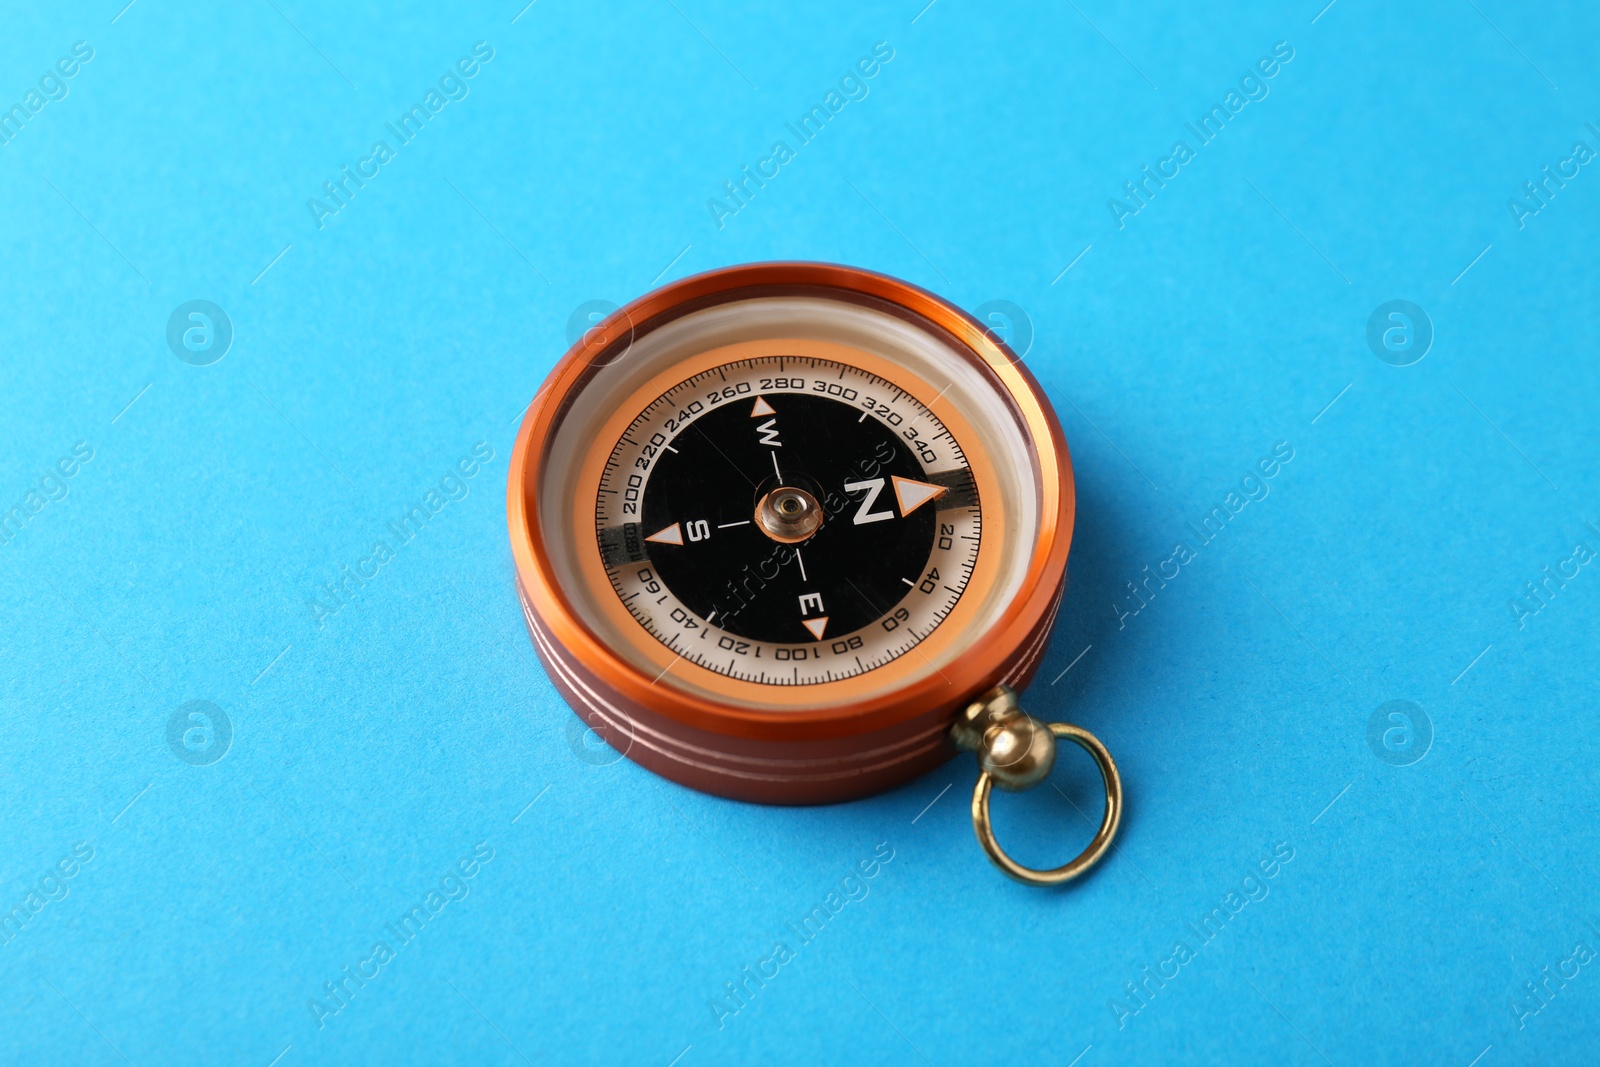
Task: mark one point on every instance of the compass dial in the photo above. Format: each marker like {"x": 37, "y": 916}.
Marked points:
{"x": 788, "y": 520}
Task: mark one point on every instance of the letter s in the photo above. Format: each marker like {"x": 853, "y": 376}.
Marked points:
{"x": 483, "y": 450}
{"x": 1283, "y": 450}
{"x": 483, "y": 851}
{"x": 883, "y": 855}
{"x": 1283, "y": 50}
{"x": 83, "y": 50}
{"x": 483, "y": 51}
{"x": 883, "y": 50}
{"x": 84, "y": 451}
{"x": 84, "y": 851}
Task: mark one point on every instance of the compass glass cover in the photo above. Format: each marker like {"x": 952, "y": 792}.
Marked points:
{"x": 789, "y": 501}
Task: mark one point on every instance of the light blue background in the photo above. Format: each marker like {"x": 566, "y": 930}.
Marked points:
{"x": 373, "y": 751}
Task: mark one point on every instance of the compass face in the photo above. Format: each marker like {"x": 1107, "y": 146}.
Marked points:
{"x": 788, "y": 520}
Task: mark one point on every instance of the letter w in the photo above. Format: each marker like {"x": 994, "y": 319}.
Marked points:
{"x": 769, "y": 433}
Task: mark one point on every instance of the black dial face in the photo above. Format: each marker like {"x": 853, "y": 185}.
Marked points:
{"x": 788, "y": 520}
{"x": 723, "y": 467}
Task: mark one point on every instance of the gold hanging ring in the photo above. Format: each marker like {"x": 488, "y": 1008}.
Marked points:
{"x": 1102, "y": 839}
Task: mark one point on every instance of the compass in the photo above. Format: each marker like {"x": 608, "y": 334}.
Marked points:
{"x": 796, "y": 533}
